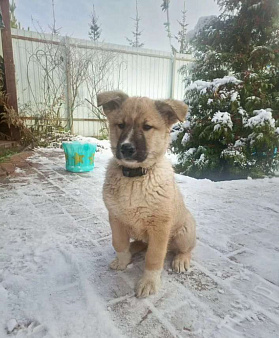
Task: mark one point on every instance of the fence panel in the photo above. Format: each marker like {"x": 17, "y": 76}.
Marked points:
{"x": 40, "y": 79}
{"x": 58, "y": 78}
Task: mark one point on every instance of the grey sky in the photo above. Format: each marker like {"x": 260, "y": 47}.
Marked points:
{"x": 114, "y": 16}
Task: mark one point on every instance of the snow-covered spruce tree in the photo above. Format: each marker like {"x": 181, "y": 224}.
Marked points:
{"x": 14, "y": 23}
{"x": 181, "y": 36}
{"x": 233, "y": 93}
{"x": 135, "y": 42}
{"x": 94, "y": 28}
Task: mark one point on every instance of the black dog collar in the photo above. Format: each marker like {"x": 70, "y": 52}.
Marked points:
{"x": 133, "y": 172}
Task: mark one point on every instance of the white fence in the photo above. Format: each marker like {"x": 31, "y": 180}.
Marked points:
{"x": 58, "y": 77}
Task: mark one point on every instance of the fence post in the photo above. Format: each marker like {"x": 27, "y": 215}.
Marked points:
{"x": 68, "y": 91}
{"x": 10, "y": 79}
{"x": 172, "y": 81}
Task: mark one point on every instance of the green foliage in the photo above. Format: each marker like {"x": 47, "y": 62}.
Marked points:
{"x": 227, "y": 134}
{"x": 244, "y": 37}
{"x": 5, "y": 155}
{"x": 232, "y": 130}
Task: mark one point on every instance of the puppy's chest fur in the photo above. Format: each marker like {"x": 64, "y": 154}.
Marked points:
{"x": 140, "y": 202}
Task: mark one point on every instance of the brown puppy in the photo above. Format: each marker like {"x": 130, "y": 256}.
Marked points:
{"x": 140, "y": 193}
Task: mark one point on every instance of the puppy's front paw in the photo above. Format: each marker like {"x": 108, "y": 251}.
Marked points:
{"x": 181, "y": 262}
{"x": 118, "y": 264}
{"x": 149, "y": 284}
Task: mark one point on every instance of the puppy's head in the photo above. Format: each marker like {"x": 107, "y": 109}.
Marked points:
{"x": 139, "y": 126}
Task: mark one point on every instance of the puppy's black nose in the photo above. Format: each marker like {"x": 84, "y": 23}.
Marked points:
{"x": 127, "y": 150}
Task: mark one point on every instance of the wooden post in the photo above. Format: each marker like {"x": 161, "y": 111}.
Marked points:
{"x": 8, "y": 55}
{"x": 9, "y": 64}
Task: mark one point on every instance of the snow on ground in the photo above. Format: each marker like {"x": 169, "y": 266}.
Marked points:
{"x": 55, "y": 247}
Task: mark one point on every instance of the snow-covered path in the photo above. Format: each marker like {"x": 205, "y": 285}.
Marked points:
{"x": 55, "y": 249}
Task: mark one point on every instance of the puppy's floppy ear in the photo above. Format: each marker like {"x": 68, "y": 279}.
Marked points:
{"x": 111, "y": 100}
{"x": 172, "y": 110}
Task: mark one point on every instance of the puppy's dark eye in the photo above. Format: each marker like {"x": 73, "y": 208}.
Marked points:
{"x": 147, "y": 127}
{"x": 121, "y": 125}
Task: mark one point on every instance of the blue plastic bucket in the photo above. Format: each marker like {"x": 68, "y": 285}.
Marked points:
{"x": 80, "y": 157}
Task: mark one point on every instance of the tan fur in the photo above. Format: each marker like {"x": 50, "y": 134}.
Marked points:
{"x": 147, "y": 208}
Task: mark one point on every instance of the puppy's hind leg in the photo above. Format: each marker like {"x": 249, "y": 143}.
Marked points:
{"x": 181, "y": 262}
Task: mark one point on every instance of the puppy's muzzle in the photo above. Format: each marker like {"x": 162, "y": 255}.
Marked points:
{"x": 128, "y": 151}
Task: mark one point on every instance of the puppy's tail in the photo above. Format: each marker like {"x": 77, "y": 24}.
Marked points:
{"x": 137, "y": 246}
